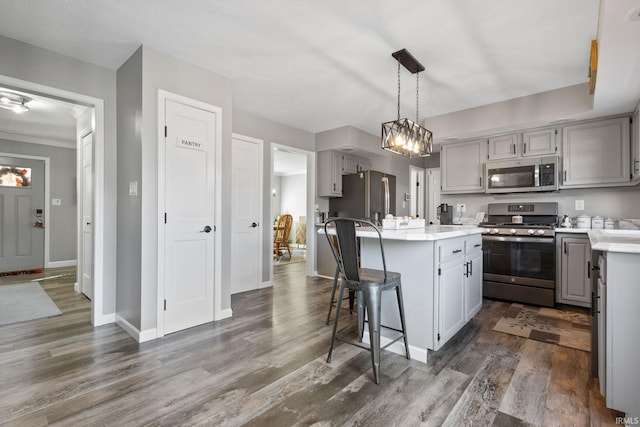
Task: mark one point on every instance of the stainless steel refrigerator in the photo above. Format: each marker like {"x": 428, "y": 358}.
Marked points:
{"x": 368, "y": 194}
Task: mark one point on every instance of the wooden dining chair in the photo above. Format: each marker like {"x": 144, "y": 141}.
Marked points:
{"x": 281, "y": 235}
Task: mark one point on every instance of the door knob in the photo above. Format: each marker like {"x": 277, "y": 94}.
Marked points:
{"x": 207, "y": 229}
{"x": 253, "y": 225}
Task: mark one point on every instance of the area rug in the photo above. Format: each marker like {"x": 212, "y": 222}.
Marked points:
{"x": 283, "y": 260}
{"x": 25, "y": 301}
{"x": 565, "y": 328}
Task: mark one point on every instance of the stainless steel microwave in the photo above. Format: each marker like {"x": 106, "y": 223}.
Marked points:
{"x": 522, "y": 175}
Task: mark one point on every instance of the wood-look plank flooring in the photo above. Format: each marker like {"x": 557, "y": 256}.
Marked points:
{"x": 266, "y": 367}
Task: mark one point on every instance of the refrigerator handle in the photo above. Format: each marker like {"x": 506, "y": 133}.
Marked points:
{"x": 385, "y": 186}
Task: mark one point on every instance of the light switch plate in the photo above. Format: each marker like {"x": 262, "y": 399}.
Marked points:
{"x": 56, "y": 202}
{"x": 579, "y": 205}
{"x": 133, "y": 188}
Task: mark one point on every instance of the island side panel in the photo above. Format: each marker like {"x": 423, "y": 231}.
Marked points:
{"x": 414, "y": 260}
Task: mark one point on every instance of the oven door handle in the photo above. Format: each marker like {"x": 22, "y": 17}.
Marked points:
{"x": 547, "y": 240}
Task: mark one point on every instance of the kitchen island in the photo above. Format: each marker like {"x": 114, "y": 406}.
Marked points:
{"x": 441, "y": 269}
{"x": 618, "y": 296}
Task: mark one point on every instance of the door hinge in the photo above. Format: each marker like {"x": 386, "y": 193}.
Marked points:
{"x": 165, "y": 217}
{"x": 439, "y": 272}
{"x": 214, "y": 228}
{"x": 438, "y": 337}
{"x": 165, "y": 131}
{"x": 165, "y": 305}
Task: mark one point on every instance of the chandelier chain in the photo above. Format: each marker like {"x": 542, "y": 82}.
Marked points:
{"x": 417, "y": 92}
{"x": 398, "y": 91}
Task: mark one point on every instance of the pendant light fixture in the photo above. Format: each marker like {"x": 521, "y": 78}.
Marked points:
{"x": 14, "y": 102}
{"x": 403, "y": 136}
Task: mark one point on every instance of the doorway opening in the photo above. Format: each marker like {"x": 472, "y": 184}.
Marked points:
{"x": 43, "y": 131}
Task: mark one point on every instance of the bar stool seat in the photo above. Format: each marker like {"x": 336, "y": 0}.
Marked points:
{"x": 368, "y": 285}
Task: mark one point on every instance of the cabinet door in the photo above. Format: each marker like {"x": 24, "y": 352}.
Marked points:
{"x": 635, "y": 147}
{"x": 473, "y": 284}
{"x": 539, "y": 142}
{"x": 329, "y": 174}
{"x": 503, "y": 147}
{"x": 450, "y": 300}
{"x": 364, "y": 164}
{"x": 349, "y": 165}
{"x": 596, "y": 153}
{"x": 575, "y": 281}
{"x": 462, "y": 167}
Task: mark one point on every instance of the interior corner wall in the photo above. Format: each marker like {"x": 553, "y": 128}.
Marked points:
{"x": 161, "y": 71}
{"x": 129, "y": 90}
{"x": 37, "y": 65}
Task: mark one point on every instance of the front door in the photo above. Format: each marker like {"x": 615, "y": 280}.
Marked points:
{"x": 189, "y": 216}
{"x": 246, "y": 210}
{"x": 21, "y": 214}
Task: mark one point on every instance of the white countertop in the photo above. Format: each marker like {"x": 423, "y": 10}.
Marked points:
{"x": 431, "y": 232}
{"x": 572, "y": 230}
{"x": 627, "y": 241}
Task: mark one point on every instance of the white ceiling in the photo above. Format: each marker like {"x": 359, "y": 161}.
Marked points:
{"x": 319, "y": 65}
{"x": 289, "y": 163}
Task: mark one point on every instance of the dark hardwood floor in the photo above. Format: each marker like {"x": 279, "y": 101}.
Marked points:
{"x": 266, "y": 367}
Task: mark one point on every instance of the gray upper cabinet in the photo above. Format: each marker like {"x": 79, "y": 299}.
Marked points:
{"x": 539, "y": 142}
{"x": 535, "y": 142}
{"x": 462, "y": 167}
{"x": 329, "y": 174}
{"x": 635, "y": 147}
{"x": 363, "y": 164}
{"x": 503, "y": 146}
{"x": 349, "y": 164}
{"x": 596, "y": 154}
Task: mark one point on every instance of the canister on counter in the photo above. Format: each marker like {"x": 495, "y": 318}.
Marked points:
{"x": 609, "y": 224}
{"x": 597, "y": 222}
{"x": 583, "y": 221}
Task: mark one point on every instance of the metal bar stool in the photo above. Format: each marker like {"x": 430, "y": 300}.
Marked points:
{"x": 368, "y": 285}
{"x": 334, "y": 242}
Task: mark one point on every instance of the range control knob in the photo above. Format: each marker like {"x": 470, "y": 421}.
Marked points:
{"x": 513, "y": 231}
{"x": 532, "y": 232}
{"x": 540, "y": 232}
{"x": 495, "y": 231}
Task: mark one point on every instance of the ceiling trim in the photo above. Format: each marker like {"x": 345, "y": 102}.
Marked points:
{"x": 38, "y": 140}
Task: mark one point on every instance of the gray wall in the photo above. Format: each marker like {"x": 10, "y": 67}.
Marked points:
{"x": 62, "y": 181}
{"x": 248, "y": 124}
{"x": 33, "y": 64}
{"x": 160, "y": 71}
{"x": 128, "y": 295}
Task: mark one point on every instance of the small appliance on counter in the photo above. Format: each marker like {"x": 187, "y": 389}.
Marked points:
{"x": 445, "y": 213}
{"x": 566, "y": 222}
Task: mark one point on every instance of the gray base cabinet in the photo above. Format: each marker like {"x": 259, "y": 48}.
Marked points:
{"x": 574, "y": 269}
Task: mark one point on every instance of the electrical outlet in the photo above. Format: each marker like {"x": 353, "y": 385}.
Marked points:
{"x": 461, "y": 207}
{"x": 579, "y": 205}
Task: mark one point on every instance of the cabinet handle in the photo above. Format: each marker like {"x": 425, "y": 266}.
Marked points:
{"x": 525, "y": 148}
{"x": 466, "y": 269}
{"x": 480, "y": 181}
{"x": 457, "y": 251}
{"x": 514, "y": 148}
{"x": 564, "y": 177}
{"x": 477, "y": 245}
{"x": 471, "y": 268}
{"x": 588, "y": 269}
{"x": 565, "y": 247}
{"x": 636, "y": 167}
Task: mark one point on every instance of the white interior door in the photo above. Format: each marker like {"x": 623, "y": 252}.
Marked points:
{"x": 87, "y": 215}
{"x": 246, "y": 211}
{"x": 189, "y": 216}
{"x": 21, "y": 214}
{"x": 433, "y": 190}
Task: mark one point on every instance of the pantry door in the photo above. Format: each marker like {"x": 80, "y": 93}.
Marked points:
{"x": 189, "y": 215}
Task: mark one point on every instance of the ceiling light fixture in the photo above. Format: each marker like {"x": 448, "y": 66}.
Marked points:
{"x": 16, "y": 103}
{"x": 403, "y": 136}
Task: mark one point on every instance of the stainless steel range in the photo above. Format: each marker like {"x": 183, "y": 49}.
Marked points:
{"x": 519, "y": 252}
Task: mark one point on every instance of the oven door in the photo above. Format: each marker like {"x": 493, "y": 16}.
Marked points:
{"x": 528, "y": 261}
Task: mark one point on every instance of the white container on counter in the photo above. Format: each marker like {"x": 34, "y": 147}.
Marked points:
{"x": 583, "y": 221}
{"x": 597, "y": 222}
{"x": 609, "y": 224}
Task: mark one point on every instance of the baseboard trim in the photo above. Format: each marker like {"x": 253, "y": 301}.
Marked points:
{"x": 105, "y": 319}
{"x": 76, "y": 287}
{"x": 223, "y": 314}
{"x": 67, "y": 263}
{"x": 417, "y": 353}
{"x": 140, "y": 336}
{"x": 266, "y": 284}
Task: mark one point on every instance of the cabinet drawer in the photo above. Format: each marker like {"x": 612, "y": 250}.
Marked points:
{"x": 450, "y": 249}
{"x": 473, "y": 243}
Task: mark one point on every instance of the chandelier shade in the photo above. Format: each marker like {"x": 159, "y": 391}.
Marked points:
{"x": 403, "y": 136}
